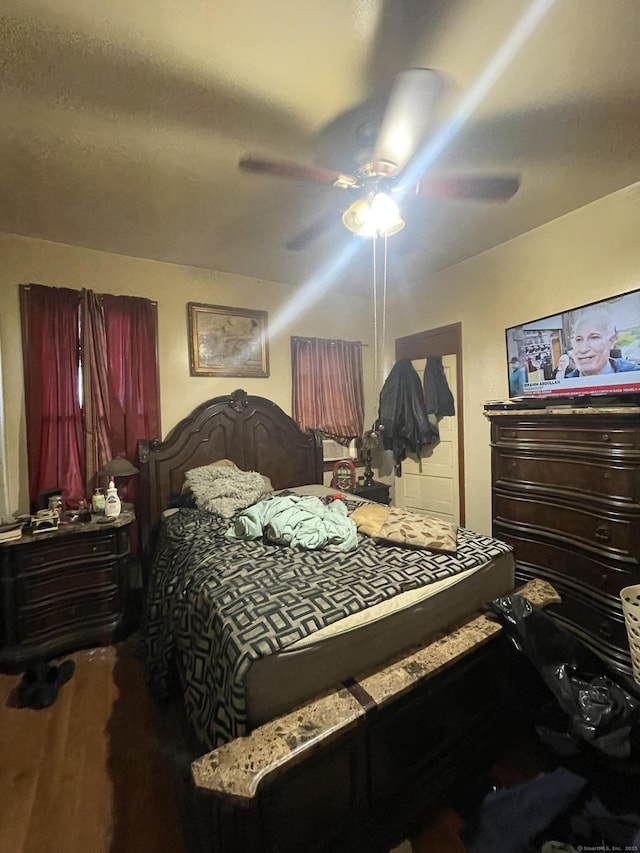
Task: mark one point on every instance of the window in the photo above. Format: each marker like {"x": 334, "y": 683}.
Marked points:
{"x": 91, "y": 383}
{"x": 5, "y": 509}
{"x": 328, "y": 388}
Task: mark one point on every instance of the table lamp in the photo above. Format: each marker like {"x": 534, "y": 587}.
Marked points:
{"x": 117, "y": 468}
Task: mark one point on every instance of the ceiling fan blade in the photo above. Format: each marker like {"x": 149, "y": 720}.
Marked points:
{"x": 302, "y": 239}
{"x": 407, "y": 118}
{"x": 295, "y": 171}
{"x": 480, "y": 187}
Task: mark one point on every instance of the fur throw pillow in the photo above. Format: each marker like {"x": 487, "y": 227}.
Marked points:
{"x": 225, "y": 489}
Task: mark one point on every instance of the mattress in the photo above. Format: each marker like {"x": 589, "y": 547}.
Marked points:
{"x": 257, "y": 630}
{"x": 355, "y": 645}
{"x": 364, "y": 641}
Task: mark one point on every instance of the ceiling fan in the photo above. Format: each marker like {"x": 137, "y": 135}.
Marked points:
{"x": 390, "y": 167}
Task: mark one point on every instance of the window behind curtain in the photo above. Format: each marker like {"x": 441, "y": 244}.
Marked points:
{"x": 5, "y": 509}
{"x": 328, "y": 387}
{"x": 82, "y": 408}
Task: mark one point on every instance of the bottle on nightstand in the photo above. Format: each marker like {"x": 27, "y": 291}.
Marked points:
{"x": 112, "y": 505}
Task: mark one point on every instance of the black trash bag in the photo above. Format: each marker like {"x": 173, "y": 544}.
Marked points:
{"x": 602, "y": 704}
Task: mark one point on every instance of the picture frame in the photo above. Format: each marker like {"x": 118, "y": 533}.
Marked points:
{"x": 225, "y": 341}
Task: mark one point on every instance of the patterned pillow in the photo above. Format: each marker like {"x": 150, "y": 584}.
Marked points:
{"x": 401, "y": 527}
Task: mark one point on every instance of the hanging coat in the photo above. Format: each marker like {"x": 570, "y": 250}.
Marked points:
{"x": 402, "y": 414}
{"x": 437, "y": 394}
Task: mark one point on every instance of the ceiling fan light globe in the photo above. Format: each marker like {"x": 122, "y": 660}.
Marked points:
{"x": 385, "y": 215}
{"x": 374, "y": 216}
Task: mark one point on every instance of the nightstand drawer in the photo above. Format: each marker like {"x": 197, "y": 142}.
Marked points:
{"x": 39, "y": 586}
{"x": 67, "y": 614}
{"x": 64, "y": 550}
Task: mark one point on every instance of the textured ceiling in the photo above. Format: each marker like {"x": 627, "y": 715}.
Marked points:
{"x": 122, "y": 123}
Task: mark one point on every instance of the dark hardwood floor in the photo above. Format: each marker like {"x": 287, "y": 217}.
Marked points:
{"x": 88, "y": 774}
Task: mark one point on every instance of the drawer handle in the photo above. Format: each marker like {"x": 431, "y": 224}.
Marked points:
{"x": 602, "y": 533}
{"x": 606, "y": 436}
{"x": 605, "y": 631}
{"x": 511, "y": 433}
{"x": 603, "y": 581}
{"x": 94, "y": 549}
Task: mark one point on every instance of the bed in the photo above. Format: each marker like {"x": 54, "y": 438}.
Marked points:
{"x": 423, "y": 595}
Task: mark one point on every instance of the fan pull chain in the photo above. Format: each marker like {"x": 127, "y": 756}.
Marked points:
{"x": 384, "y": 302}
{"x": 375, "y": 314}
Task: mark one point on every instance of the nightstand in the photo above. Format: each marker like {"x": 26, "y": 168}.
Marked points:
{"x": 378, "y": 492}
{"x": 64, "y": 590}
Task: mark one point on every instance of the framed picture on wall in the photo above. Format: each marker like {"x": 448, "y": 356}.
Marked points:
{"x": 227, "y": 341}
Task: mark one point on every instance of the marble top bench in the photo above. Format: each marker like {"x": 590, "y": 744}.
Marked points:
{"x": 237, "y": 769}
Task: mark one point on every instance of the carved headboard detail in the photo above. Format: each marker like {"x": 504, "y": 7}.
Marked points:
{"x": 252, "y": 431}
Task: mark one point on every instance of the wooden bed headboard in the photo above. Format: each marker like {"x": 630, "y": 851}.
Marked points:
{"x": 252, "y": 431}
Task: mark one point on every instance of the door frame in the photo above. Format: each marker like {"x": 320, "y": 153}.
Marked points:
{"x": 444, "y": 340}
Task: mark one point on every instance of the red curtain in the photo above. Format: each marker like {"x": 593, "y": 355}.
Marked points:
{"x": 328, "y": 387}
{"x": 114, "y": 338}
{"x": 55, "y": 429}
{"x": 134, "y": 400}
{"x": 95, "y": 374}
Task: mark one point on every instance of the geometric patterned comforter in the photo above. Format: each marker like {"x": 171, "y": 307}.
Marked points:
{"x": 220, "y": 604}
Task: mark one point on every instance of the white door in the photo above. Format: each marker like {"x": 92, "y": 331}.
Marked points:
{"x": 429, "y": 483}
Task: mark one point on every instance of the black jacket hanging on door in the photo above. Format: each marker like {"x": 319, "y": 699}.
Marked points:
{"x": 437, "y": 394}
{"x": 402, "y": 414}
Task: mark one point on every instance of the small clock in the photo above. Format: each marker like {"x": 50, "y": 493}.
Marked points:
{"x": 344, "y": 476}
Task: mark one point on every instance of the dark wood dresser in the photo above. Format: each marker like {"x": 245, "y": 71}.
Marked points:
{"x": 566, "y": 496}
{"x": 63, "y": 590}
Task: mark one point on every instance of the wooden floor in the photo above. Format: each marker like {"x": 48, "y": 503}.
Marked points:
{"x": 88, "y": 774}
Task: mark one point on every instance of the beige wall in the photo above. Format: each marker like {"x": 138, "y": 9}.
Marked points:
{"x": 587, "y": 255}
{"x": 23, "y": 260}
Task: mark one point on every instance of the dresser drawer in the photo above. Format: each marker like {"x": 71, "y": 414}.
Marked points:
{"x": 546, "y": 434}
{"x": 612, "y": 536}
{"x": 586, "y": 477}
{"x": 68, "y": 613}
{"x": 63, "y": 550}
{"x": 566, "y": 566}
{"x": 601, "y": 630}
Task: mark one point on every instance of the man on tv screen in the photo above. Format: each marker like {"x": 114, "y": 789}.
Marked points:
{"x": 594, "y": 336}
{"x": 516, "y": 379}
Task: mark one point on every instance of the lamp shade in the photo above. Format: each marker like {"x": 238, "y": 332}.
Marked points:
{"x": 118, "y": 467}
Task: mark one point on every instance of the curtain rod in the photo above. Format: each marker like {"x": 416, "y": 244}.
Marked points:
{"x": 328, "y": 340}
{"x": 63, "y": 287}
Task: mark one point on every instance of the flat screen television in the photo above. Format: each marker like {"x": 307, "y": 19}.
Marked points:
{"x": 589, "y": 351}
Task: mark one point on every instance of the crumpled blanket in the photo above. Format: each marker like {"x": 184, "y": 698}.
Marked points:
{"x": 224, "y": 488}
{"x": 402, "y": 527}
{"x": 301, "y": 522}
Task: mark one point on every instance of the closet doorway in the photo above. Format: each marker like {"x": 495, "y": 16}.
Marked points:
{"x": 434, "y": 482}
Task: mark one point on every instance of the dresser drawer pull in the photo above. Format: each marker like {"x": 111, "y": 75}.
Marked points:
{"x": 603, "y": 581}
{"x": 511, "y": 433}
{"x": 604, "y": 630}
{"x": 603, "y": 534}
{"x": 94, "y": 549}
{"x": 606, "y": 436}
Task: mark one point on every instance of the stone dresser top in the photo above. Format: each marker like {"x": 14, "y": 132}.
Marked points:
{"x": 237, "y": 769}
